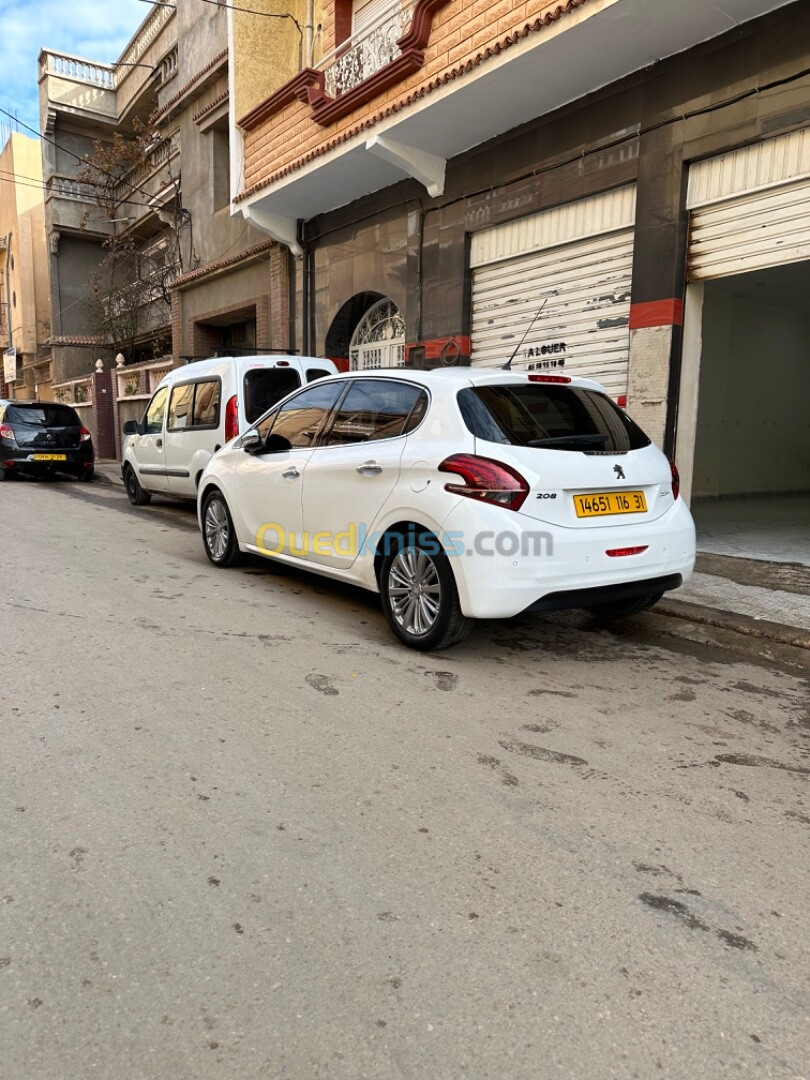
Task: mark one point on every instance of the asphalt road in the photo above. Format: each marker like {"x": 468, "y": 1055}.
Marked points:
{"x": 244, "y": 833}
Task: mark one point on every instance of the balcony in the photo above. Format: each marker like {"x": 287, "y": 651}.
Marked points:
{"x": 78, "y": 85}
{"x": 365, "y": 53}
{"x": 471, "y": 83}
{"x": 73, "y": 208}
{"x": 154, "y": 180}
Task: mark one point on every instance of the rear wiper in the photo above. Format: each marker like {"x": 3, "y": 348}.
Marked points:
{"x": 576, "y": 440}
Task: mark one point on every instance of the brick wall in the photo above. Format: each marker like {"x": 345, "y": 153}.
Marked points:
{"x": 461, "y": 33}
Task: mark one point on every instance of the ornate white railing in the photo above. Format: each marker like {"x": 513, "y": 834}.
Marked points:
{"x": 357, "y": 58}
{"x": 150, "y": 29}
{"x": 79, "y": 70}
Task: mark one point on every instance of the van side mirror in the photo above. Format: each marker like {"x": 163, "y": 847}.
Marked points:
{"x": 252, "y": 442}
{"x": 131, "y": 427}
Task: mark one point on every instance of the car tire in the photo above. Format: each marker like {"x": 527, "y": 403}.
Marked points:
{"x": 137, "y": 496}
{"x": 419, "y": 594}
{"x": 219, "y": 535}
{"x": 617, "y": 609}
{"x": 3, "y": 473}
{"x": 87, "y": 475}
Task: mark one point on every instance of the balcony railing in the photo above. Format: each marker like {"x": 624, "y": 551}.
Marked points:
{"x": 74, "y": 67}
{"x": 364, "y": 53}
{"x": 156, "y": 159}
{"x": 67, "y": 187}
{"x": 150, "y": 29}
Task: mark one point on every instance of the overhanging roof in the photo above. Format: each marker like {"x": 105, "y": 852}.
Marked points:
{"x": 590, "y": 48}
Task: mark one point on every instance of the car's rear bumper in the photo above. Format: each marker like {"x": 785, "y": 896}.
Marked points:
{"x": 76, "y": 460}
{"x": 553, "y": 568}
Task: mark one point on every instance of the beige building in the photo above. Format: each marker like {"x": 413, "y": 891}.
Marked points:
{"x": 24, "y": 301}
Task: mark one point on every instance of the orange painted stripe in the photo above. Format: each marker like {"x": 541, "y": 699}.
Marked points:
{"x": 656, "y": 313}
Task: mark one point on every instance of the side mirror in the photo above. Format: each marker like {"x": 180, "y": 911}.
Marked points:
{"x": 276, "y": 444}
{"x": 131, "y": 427}
{"x": 252, "y": 442}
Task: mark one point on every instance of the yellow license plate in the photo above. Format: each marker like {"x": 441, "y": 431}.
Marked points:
{"x": 610, "y": 502}
{"x": 50, "y": 457}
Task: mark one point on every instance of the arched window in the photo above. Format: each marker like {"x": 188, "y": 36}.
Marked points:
{"x": 379, "y": 340}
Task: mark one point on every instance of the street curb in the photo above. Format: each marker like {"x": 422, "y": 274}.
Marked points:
{"x": 107, "y": 478}
{"x": 731, "y": 620}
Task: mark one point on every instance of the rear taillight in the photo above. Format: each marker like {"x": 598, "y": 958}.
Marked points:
{"x": 486, "y": 480}
{"x": 7, "y": 432}
{"x": 231, "y": 419}
{"x": 84, "y": 435}
{"x": 621, "y": 401}
{"x": 676, "y": 480}
{"x": 549, "y": 378}
{"x": 620, "y": 553}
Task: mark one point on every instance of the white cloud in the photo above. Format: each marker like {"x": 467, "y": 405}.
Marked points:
{"x": 86, "y": 28}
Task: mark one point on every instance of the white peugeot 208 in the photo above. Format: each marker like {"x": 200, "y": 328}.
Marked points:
{"x": 457, "y": 494}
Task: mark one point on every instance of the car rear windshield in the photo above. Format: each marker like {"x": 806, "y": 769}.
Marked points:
{"x": 264, "y": 387}
{"x": 42, "y": 416}
{"x": 549, "y": 417}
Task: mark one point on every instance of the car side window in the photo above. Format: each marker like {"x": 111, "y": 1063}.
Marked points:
{"x": 153, "y": 419}
{"x": 180, "y": 406}
{"x": 375, "y": 409}
{"x": 300, "y": 419}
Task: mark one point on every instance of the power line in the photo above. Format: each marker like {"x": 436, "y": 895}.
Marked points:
{"x": 234, "y": 7}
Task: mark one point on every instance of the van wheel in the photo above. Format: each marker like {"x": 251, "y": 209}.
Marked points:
{"x": 419, "y": 595}
{"x": 137, "y": 496}
{"x": 617, "y": 609}
{"x": 219, "y": 536}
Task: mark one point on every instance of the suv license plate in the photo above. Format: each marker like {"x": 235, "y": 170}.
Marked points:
{"x": 610, "y": 502}
{"x": 50, "y": 457}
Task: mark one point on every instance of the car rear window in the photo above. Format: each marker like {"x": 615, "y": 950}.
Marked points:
{"x": 549, "y": 417}
{"x": 264, "y": 387}
{"x": 42, "y": 416}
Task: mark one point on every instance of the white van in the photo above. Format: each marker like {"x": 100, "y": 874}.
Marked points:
{"x": 198, "y": 408}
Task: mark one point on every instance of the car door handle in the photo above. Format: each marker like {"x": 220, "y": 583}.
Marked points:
{"x": 158, "y": 443}
{"x": 291, "y": 474}
{"x": 369, "y": 467}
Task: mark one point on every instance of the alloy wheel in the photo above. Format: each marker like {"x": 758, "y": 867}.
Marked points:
{"x": 217, "y": 529}
{"x": 414, "y": 591}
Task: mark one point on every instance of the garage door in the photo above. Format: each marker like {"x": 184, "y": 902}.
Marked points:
{"x": 750, "y": 209}
{"x": 573, "y": 265}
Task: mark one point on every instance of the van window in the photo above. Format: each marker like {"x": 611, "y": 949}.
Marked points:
{"x": 263, "y": 387}
{"x": 153, "y": 420}
{"x": 314, "y": 373}
{"x": 180, "y": 406}
{"x": 549, "y": 417}
{"x": 206, "y": 404}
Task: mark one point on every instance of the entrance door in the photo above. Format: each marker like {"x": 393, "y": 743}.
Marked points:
{"x": 379, "y": 340}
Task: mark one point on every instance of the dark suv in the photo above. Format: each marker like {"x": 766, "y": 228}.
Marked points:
{"x": 43, "y": 438}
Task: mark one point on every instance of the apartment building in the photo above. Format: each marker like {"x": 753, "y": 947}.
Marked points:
{"x": 24, "y": 307}
{"x": 147, "y": 263}
{"x": 616, "y": 188}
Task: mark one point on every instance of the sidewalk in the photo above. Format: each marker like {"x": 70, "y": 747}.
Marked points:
{"x": 769, "y": 600}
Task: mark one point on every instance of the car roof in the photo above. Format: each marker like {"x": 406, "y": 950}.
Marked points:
{"x": 467, "y": 376}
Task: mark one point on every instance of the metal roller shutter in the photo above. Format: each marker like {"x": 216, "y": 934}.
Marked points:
{"x": 750, "y": 209}
{"x": 577, "y": 262}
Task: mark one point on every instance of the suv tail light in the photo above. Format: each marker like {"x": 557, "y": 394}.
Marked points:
{"x": 84, "y": 435}
{"x": 549, "y": 378}
{"x": 7, "y": 432}
{"x": 676, "y": 480}
{"x": 486, "y": 480}
{"x": 232, "y": 419}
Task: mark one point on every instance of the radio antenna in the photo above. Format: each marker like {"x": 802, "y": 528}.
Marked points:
{"x": 508, "y": 365}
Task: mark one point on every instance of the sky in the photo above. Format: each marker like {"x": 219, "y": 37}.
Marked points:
{"x": 93, "y": 29}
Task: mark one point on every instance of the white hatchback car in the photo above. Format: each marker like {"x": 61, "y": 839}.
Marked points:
{"x": 457, "y": 494}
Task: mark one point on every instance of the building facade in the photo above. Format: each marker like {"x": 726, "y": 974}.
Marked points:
{"x": 24, "y": 299}
{"x": 615, "y": 188}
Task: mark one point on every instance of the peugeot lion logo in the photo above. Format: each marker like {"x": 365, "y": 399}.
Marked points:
{"x": 619, "y": 472}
